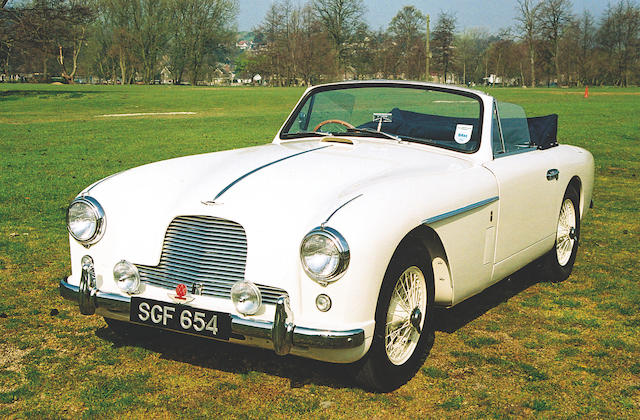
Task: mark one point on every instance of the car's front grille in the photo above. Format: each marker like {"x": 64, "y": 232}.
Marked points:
{"x": 205, "y": 250}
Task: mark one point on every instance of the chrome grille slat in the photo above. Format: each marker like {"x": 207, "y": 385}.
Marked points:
{"x": 203, "y": 237}
{"x": 190, "y": 259}
{"x": 206, "y": 250}
{"x": 193, "y": 250}
{"x": 218, "y": 229}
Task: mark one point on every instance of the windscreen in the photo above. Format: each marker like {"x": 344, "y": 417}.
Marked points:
{"x": 426, "y": 115}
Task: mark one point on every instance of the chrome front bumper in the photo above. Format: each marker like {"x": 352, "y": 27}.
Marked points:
{"x": 282, "y": 332}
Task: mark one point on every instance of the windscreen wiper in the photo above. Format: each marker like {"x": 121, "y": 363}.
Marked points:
{"x": 303, "y": 134}
{"x": 374, "y": 132}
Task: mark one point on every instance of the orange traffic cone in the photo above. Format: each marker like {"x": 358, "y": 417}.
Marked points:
{"x": 586, "y": 92}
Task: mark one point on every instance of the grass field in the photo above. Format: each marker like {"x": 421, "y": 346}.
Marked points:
{"x": 520, "y": 349}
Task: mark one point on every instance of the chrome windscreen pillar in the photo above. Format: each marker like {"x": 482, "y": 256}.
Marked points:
{"x": 282, "y": 332}
{"x": 87, "y": 288}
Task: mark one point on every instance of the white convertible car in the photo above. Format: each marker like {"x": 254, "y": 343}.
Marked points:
{"x": 375, "y": 202}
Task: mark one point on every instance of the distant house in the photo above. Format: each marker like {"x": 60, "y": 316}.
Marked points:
{"x": 244, "y": 45}
{"x": 492, "y": 79}
{"x": 165, "y": 76}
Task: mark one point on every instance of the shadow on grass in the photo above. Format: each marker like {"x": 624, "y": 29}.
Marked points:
{"x": 452, "y": 319}
{"x": 232, "y": 358}
{"x": 246, "y": 361}
{"x": 9, "y": 95}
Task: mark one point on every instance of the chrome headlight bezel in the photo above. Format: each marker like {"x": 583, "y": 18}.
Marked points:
{"x": 342, "y": 248}
{"x": 98, "y": 214}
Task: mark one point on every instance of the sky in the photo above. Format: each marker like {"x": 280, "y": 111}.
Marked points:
{"x": 491, "y": 15}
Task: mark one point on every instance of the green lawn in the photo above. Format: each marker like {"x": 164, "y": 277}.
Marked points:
{"x": 520, "y": 349}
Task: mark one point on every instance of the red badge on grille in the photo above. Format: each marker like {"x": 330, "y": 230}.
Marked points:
{"x": 181, "y": 291}
{"x": 182, "y": 295}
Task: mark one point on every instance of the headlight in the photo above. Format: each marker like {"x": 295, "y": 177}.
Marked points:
{"x": 127, "y": 277}
{"x": 324, "y": 254}
{"x": 86, "y": 220}
{"x": 246, "y": 297}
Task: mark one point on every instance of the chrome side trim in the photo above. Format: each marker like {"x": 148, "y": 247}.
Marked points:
{"x": 264, "y": 166}
{"x": 340, "y": 207}
{"x": 459, "y": 211}
{"x": 117, "y": 307}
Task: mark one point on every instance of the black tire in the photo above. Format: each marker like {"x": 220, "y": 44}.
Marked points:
{"x": 553, "y": 269}
{"x": 375, "y": 371}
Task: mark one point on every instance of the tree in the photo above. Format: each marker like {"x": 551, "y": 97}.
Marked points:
{"x": 76, "y": 18}
{"x": 311, "y": 47}
{"x": 619, "y": 35}
{"x": 339, "y": 18}
{"x": 141, "y": 31}
{"x": 44, "y": 29}
{"x": 198, "y": 28}
{"x": 470, "y": 45}
{"x": 406, "y": 29}
{"x": 576, "y": 46}
{"x": 553, "y": 17}
{"x": 443, "y": 41}
{"x": 293, "y": 46}
{"x": 527, "y": 20}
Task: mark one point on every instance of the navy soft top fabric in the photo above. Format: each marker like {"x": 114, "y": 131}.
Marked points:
{"x": 542, "y": 130}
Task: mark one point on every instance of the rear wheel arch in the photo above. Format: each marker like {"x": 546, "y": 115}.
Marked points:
{"x": 576, "y": 184}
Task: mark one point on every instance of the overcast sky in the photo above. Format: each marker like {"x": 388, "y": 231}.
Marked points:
{"x": 489, "y": 14}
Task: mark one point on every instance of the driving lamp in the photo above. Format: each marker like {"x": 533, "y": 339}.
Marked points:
{"x": 127, "y": 277}
{"x": 246, "y": 297}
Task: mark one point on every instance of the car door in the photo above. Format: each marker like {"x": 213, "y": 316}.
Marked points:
{"x": 527, "y": 185}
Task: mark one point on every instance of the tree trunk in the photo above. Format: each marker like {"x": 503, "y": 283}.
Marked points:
{"x": 557, "y": 62}
{"x": 464, "y": 72}
{"x": 123, "y": 70}
{"x": 533, "y": 65}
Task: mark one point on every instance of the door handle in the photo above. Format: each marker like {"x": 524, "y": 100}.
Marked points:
{"x": 553, "y": 174}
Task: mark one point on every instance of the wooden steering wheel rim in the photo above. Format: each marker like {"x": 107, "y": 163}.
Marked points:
{"x": 346, "y": 124}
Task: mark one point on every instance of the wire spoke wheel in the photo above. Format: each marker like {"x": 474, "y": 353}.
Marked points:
{"x": 408, "y": 301}
{"x": 565, "y": 235}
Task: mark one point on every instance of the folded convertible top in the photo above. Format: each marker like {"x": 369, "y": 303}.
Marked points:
{"x": 543, "y": 131}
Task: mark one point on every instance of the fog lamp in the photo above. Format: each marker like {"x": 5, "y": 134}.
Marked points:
{"x": 127, "y": 277}
{"x": 246, "y": 297}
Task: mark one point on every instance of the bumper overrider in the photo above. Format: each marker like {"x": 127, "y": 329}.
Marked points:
{"x": 282, "y": 332}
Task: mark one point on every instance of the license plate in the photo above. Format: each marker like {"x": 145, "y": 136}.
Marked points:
{"x": 180, "y": 318}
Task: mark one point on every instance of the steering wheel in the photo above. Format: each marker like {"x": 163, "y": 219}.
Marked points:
{"x": 346, "y": 124}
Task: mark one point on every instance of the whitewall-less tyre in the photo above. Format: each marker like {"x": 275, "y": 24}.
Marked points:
{"x": 558, "y": 263}
{"x": 404, "y": 331}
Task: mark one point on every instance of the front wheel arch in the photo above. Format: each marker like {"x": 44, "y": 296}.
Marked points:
{"x": 377, "y": 371}
{"x": 436, "y": 257}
